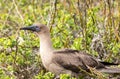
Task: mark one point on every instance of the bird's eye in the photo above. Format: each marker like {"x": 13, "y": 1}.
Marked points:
{"x": 37, "y": 28}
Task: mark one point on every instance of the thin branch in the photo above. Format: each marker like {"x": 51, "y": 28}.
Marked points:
{"x": 16, "y": 7}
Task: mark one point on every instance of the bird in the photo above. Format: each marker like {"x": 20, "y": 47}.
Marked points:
{"x": 66, "y": 61}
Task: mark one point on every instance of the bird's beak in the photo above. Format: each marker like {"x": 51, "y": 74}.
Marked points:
{"x": 31, "y": 28}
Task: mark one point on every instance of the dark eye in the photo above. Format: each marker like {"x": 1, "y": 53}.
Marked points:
{"x": 37, "y": 28}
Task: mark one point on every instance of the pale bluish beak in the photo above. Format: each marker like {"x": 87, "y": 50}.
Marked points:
{"x": 31, "y": 28}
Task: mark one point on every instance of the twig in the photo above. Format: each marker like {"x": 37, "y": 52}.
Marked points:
{"x": 52, "y": 15}
{"x": 16, "y": 7}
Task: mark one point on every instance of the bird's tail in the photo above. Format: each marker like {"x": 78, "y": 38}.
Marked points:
{"x": 108, "y": 64}
{"x": 110, "y": 70}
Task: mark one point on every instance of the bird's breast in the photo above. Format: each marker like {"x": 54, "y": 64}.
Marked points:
{"x": 46, "y": 59}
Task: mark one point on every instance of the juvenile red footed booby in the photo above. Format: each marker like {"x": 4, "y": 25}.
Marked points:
{"x": 67, "y": 61}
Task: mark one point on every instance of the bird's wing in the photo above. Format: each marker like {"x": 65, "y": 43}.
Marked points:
{"x": 74, "y": 60}
{"x": 69, "y": 61}
{"x": 90, "y": 60}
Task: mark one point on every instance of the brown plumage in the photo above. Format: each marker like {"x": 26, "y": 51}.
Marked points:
{"x": 66, "y": 61}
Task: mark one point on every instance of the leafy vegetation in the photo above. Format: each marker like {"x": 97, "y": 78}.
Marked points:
{"x": 90, "y": 25}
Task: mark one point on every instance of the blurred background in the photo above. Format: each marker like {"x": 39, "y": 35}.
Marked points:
{"x": 90, "y": 25}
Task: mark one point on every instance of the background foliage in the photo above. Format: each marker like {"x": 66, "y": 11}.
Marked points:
{"x": 90, "y": 25}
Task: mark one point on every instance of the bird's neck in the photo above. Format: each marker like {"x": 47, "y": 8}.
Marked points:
{"x": 46, "y": 49}
{"x": 45, "y": 43}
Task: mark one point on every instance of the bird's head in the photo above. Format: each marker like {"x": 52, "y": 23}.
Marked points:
{"x": 37, "y": 28}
